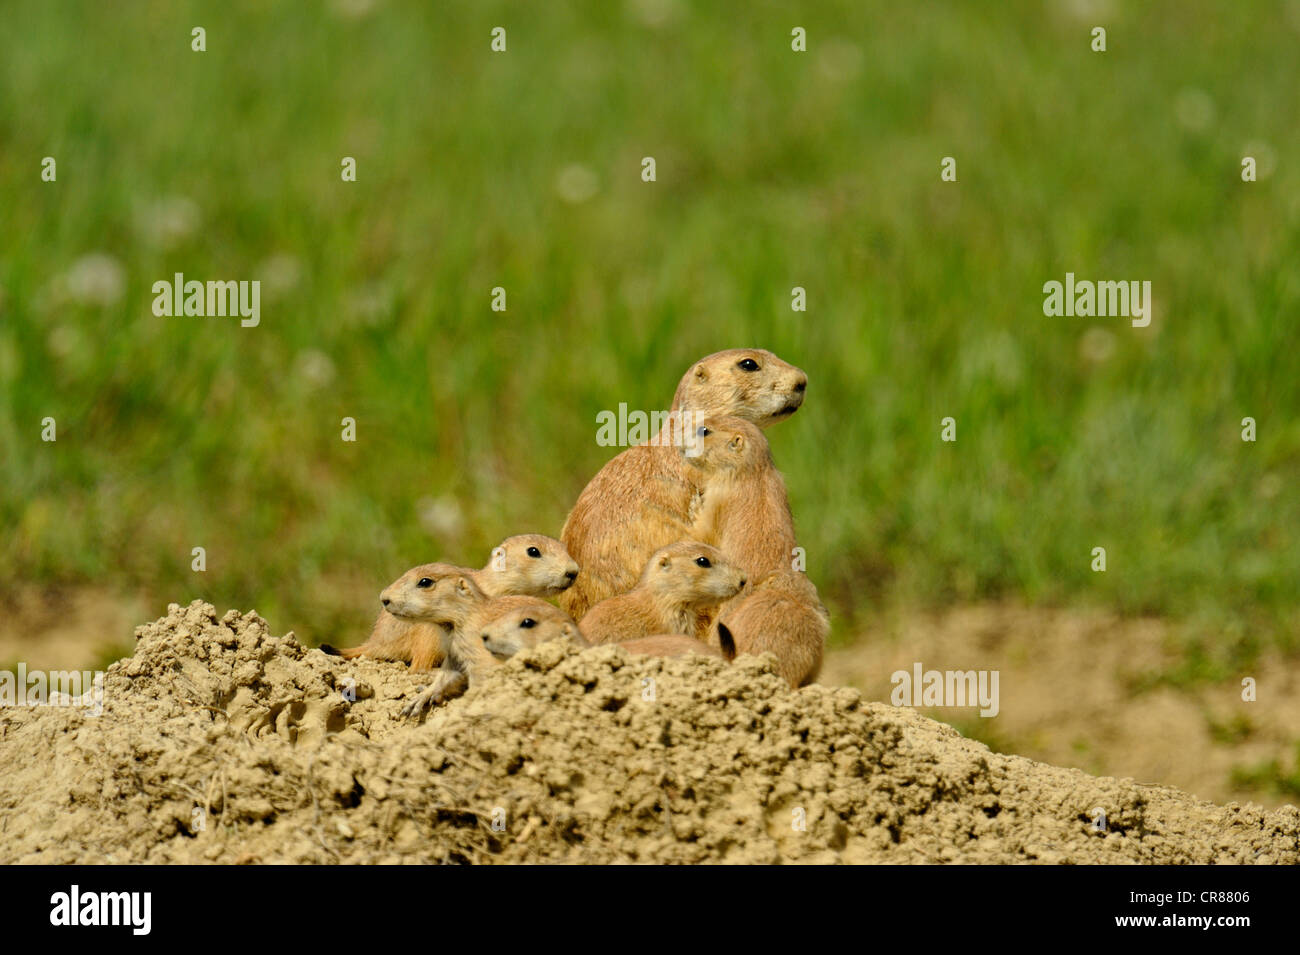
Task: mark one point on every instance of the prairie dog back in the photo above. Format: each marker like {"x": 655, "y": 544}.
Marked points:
{"x": 671, "y": 645}
{"x": 508, "y": 629}
{"x": 781, "y": 613}
{"x": 521, "y": 627}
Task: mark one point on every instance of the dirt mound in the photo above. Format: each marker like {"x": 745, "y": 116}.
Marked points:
{"x": 221, "y": 742}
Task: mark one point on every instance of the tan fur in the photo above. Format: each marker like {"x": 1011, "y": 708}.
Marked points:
{"x": 744, "y": 510}
{"x": 673, "y": 593}
{"x": 467, "y": 618}
{"x": 407, "y": 641}
{"x": 670, "y": 645}
{"x": 510, "y": 570}
{"x": 442, "y": 596}
{"x": 640, "y": 501}
{"x": 402, "y": 641}
{"x": 513, "y": 629}
{"x": 494, "y": 621}
{"x": 781, "y": 613}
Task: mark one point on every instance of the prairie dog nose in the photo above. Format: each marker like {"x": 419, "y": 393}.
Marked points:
{"x": 801, "y": 383}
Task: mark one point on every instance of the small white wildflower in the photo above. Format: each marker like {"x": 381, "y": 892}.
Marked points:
{"x": 279, "y": 274}
{"x": 94, "y": 279}
{"x": 440, "y": 516}
{"x": 167, "y": 222}
{"x": 1096, "y": 345}
{"x": 576, "y": 183}
{"x": 314, "y": 368}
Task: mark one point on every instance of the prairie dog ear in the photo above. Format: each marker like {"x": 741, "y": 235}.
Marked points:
{"x": 665, "y": 562}
{"x": 738, "y": 442}
{"x": 569, "y": 631}
{"x": 701, "y": 373}
{"x": 463, "y": 587}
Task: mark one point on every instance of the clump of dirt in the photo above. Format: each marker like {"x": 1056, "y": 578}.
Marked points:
{"x": 221, "y": 742}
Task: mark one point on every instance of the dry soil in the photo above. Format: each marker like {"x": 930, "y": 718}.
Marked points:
{"x": 220, "y": 742}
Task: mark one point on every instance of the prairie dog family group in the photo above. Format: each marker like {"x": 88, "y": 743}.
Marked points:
{"x": 683, "y": 544}
{"x": 644, "y": 498}
{"x": 530, "y": 565}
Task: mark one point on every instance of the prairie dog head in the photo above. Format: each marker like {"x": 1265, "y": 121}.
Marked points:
{"x": 692, "y": 574}
{"x": 749, "y": 383}
{"x": 726, "y": 445}
{"x": 511, "y": 624}
{"x": 435, "y": 593}
{"x": 528, "y": 565}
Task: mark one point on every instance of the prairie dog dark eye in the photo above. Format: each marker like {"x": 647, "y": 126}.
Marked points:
{"x": 703, "y": 431}
{"x": 703, "y": 561}
{"x": 425, "y": 582}
{"x": 527, "y": 623}
{"x": 534, "y": 552}
{"x": 747, "y": 364}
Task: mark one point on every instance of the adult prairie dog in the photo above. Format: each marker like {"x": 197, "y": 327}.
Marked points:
{"x": 518, "y": 628}
{"x": 640, "y": 500}
{"x": 780, "y": 612}
{"x": 526, "y": 565}
{"x": 678, "y": 585}
{"x": 743, "y": 508}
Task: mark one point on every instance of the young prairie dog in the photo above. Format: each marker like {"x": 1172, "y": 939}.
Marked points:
{"x": 501, "y": 627}
{"x": 528, "y": 565}
{"x": 407, "y": 641}
{"x": 440, "y": 597}
{"x": 447, "y": 599}
{"x": 678, "y": 585}
{"x": 743, "y": 508}
{"x": 780, "y": 612}
{"x": 518, "y": 628}
{"x": 640, "y": 500}
{"x": 471, "y": 651}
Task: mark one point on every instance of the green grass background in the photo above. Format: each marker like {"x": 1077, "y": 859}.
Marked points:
{"x": 775, "y": 169}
